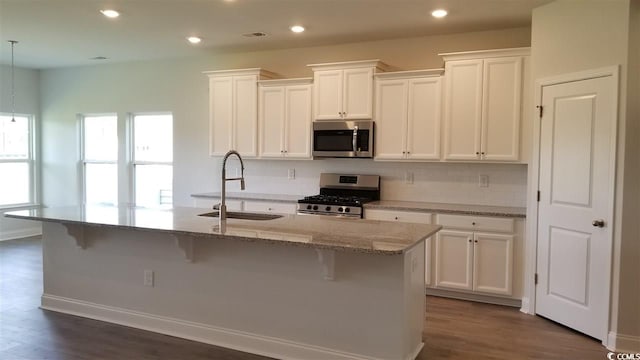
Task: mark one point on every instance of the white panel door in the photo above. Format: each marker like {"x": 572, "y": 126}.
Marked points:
{"x": 493, "y": 263}
{"x": 391, "y": 119}
{"x": 576, "y": 184}
{"x": 463, "y": 109}
{"x": 358, "y": 93}
{"x": 297, "y": 132}
{"x": 454, "y": 259}
{"x": 502, "y": 89}
{"x": 327, "y": 94}
{"x": 271, "y": 121}
{"x": 221, "y": 114}
{"x": 424, "y": 113}
{"x": 245, "y": 107}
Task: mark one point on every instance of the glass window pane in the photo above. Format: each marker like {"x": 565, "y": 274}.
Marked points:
{"x": 14, "y": 137}
{"x": 153, "y": 138}
{"x": 14, "y": 183}
{"x": 101, "y": 138}
{"x": 154, "y": 185}
{"x": 101, "y": 184}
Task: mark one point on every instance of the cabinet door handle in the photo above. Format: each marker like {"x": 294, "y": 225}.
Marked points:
{"x": 396, "y": 218}
{"x": 470, "y": 240}
{"x": 473, "y": 223}
{"x": 477, "y": 153}
{"x": 475, "y": 241}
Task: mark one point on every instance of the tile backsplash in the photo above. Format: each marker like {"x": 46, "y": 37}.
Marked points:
{"x": 432, "y": 182}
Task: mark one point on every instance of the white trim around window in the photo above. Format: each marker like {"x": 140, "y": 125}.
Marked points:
{"x": 31, "y": 160}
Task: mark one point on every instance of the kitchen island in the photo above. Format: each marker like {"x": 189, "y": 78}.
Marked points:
{"x": 295, "y": 287}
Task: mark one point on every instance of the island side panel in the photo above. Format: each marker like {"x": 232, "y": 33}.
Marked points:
{"x": 252, "y": 296}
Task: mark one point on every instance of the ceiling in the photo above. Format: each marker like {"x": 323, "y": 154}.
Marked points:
{"x": 62, "y": 33}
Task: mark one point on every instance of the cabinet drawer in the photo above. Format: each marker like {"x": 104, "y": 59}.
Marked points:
{"x": 476, "y": 223}
{"x": 269, "y": 207}
{"x": 401, "y": 216}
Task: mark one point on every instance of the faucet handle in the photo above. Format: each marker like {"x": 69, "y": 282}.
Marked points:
{"x": 216, "y": 206}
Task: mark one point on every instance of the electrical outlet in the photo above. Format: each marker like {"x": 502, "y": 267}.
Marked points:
{"x": 483, "y": 181}
{"x": 408, "y": 177}
{"x": 291, "y": 174}
{"x": 148, "y": 278}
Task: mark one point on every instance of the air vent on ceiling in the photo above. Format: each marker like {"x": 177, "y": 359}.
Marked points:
{"x": 255, "y": 34}
{"x": 99, "y": 58}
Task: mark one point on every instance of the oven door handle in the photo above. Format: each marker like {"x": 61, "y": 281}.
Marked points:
{"x": 354, "y": 140}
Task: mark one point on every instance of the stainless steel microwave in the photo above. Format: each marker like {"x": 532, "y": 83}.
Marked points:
{"x": 343, "y": 139}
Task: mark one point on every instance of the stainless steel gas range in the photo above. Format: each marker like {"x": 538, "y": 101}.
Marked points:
{"x": 341, "y": 195}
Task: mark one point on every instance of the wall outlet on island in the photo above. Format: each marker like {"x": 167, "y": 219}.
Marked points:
{"x": 408, "y": 177}
{"x": 148, "y": 278}
{"x": 483, "y": 181}
{"x": 291, "y": 174}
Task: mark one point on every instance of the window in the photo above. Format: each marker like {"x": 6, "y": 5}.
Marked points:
{"x": 100, "y": 159}
{"x": 17, "y": 162}
{"x": 152, "y": 159}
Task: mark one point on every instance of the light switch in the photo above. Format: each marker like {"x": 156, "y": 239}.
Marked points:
{"x": 291, "y": 174}
{"x": 483, "y": 181}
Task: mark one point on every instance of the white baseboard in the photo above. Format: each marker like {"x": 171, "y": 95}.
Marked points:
{"x": 474, "y": 297}
{"x": 526, "y": 306}
{"x": 228, "y": 338}
{"x": 623, "y": 343}
{"x": 21, "y": 233}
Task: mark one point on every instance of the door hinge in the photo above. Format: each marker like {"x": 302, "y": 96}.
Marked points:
{"x": 538, "y": 195}
{"x": 539, "y": 107}
{"x": 535, "y": 279}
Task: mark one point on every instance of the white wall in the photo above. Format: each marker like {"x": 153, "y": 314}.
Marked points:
{"x": 569, "y": 36}
{"x": 179, "y": 86}
{"x": 27, "y": 101}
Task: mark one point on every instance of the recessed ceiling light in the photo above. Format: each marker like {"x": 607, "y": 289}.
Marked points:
{"x": 440, "y": 13}
{"x": 194, "y": 39}
{"x": 297, "y": 28}
{"x": 110, "y": 13}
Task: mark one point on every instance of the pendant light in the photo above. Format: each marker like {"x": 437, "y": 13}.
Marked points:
{"x": 13, "y": 83}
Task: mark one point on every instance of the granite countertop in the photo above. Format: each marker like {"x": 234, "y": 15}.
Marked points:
{"x": 417, "y": 206}
{"x": 251, "y": 196}
{"x": 503, "y": 211}
{"x": 320, "y": 232}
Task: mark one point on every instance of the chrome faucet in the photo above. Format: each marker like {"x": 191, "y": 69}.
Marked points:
{"x": 223, "y": 193}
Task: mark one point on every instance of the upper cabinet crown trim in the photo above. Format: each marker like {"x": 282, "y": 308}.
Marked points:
{"x": 377, "y": 64}
{"x": 483, "y": 54}
{"x": 410, "y": 74}
{"x": 263, "y": 74}
{"x": 285, "y": 82}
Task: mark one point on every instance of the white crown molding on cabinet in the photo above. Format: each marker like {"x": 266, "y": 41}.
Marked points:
{"x": 285, "y": 82}
{"x": 484, "y": 54}
{"x": 263, "y": 74}
{"x": 410, "y": 74}
{"x": 376, "y": 63}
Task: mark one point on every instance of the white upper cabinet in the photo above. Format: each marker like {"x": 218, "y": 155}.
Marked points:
{"x": 284, "y": 115}
{"x": 408, "y": 113}
{"x": 482, "y": 107}
{"x": 344, "y": 90}
{"x": 233, "y": 104}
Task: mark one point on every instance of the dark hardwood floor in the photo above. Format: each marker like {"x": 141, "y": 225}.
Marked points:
{"x": 454, "y": 329}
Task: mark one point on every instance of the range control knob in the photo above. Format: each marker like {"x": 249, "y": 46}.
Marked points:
{"x": 328, "y": 208}
{"x": 308, "y": 207}
{"x": 315, "y": 207}
{"x": 341, "y": 209}
{"x": 347, "y": 209}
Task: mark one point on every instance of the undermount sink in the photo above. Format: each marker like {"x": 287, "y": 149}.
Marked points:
{"x": 243, "y": 215}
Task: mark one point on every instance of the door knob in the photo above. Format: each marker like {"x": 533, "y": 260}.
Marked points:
{"x": 598, "y": 223}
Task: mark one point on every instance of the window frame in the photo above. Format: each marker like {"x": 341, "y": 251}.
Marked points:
{"x": 131, "y": 159}
{"x": 31, "y": 160}
{"x": 83, "y": 160}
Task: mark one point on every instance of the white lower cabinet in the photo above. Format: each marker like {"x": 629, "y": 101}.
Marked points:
{"x": 475, "y": 260}
{"x": 407, "y": 217}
